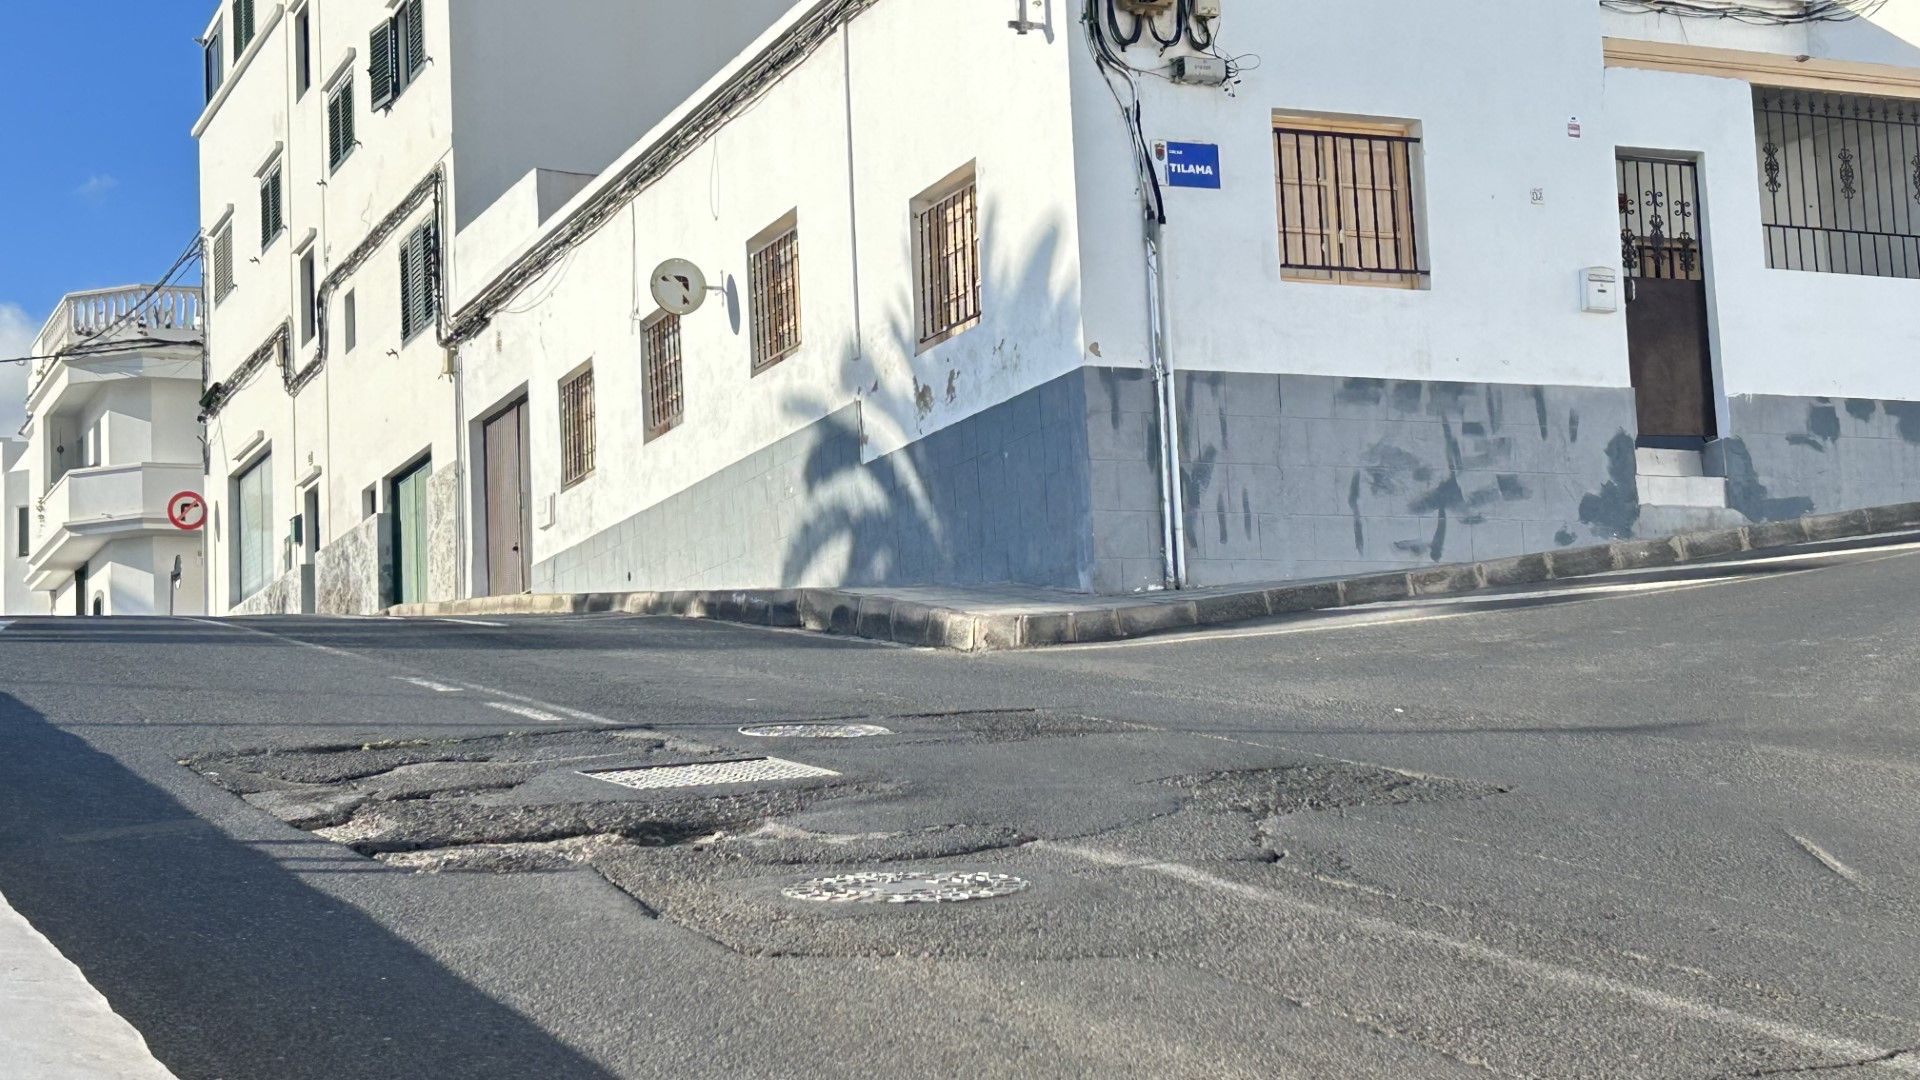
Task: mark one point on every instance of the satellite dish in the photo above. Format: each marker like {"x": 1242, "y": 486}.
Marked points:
{"x": 679, "y": 287}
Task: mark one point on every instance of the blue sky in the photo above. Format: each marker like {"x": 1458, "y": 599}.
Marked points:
{"x": 100, "y": 175}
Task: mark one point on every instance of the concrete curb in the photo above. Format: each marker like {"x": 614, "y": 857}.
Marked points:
{"x": 909, "y": 622}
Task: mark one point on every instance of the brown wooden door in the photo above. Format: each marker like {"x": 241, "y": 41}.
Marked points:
{"x": 509, "y": 570}
{"x": 1668, "y": 349}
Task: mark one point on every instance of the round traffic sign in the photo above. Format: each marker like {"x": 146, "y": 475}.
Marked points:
{"x": 679, "y": 287}
{"x": 187, "y": 511}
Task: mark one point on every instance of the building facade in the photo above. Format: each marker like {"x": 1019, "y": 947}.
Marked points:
{"x": 1108, "y": 300}
{"x": 342, "y": 140}
{"x": 113, "y": 441}
{"x": 16, "y": 533}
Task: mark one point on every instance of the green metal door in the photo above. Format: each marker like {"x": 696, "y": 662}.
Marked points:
{"x": 410, "y": 536}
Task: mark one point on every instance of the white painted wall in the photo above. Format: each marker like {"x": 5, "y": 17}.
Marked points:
{"x": 15, "y": 482}
{"x": 531, "y": 86}
{"x": 1776, "y": 331}
{"x": 845, "y": 141}
{"x": 1502, "y": 303}
{"x": 565, "y": 84}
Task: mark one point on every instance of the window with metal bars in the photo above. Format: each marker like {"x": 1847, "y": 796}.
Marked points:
{"x": 947, "y": 259}
{"x": 1347, "y": 204}
{"x": 223, "y": 262}
{"x": 773, "y": 274}
{"x": 660, "y": 359}
{"x": 1839, "y": 182}
{"x": 576, "y": 427}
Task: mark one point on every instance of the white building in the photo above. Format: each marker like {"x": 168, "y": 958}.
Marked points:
{"x": 341, "y": 139}
{"x": 16, "y": 532}
{"x": 1436, "y": 282}
{"x": 112, "y": 438}
{"x": 1395, "y": 328}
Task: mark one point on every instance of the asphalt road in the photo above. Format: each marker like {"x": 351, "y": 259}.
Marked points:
{"x": 1659, "y": 827}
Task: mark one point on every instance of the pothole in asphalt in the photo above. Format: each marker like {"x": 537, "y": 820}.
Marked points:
{"x": 815, "y": 731}
{"x": 1291, "y": 789}
{"x": 711, "y": 774}
{"x": 908, "y": 887}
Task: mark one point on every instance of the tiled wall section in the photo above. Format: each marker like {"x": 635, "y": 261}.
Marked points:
{"x": 354, "y": 574}
{"x": 999, "y": 497}
{"x": 1295, "y": 476}
{"x": 1789, "y": 456}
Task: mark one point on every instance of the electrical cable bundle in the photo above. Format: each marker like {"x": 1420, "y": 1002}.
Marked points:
{"x": 1753, "y": 11}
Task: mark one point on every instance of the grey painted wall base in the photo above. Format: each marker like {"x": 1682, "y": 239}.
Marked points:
{"x": 1790, "y": 456}
{"x": 1302, "y": 476}
{"x": 1286, "y": 476}
{"x": 999, "y": 497}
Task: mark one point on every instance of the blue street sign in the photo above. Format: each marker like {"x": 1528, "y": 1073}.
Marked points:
{"x": 1193, "y": 165}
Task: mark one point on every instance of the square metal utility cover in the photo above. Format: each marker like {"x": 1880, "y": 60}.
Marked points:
{"x": 706, "y": 774}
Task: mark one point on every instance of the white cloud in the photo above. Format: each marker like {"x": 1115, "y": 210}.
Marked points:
{"x": 17, "y": 330}
{"x": 97, "y": 185}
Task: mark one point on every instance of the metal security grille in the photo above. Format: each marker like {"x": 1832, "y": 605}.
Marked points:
{"x": 1839, "y": 182}
{"x": 666, "y": 401}
{"x": 949, "y": 271}
{"x": 1660, "y": 219}
{"x": 1347, "y": 207}
{"x": 774, "y": 280}
{"x": 576, "y": 429}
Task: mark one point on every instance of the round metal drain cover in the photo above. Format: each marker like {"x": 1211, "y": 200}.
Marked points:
{"x": 814, "y": 731}
{"x": 906, "y": 888}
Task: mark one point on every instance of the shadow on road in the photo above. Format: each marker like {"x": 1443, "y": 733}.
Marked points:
{"x": 227, "y": 963}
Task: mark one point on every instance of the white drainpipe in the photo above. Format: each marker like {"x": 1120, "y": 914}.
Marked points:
{"x": 1160, "y": 343}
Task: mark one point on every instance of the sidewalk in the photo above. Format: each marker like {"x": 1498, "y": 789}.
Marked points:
{"x": 994, "y": 618}
{"x": 53, "y": 1024}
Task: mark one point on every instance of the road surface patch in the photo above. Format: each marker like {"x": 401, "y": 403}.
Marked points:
{"x": 815, "y": 731}
{"x": 712, "y": 774}
{"x": 907, "y": 887}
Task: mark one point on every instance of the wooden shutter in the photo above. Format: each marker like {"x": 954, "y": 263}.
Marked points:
{"x": 380, "y": 69}
{"x": 415, "y": 19}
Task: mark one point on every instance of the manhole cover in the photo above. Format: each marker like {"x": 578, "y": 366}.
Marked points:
{"x": 906, "y": 888}
{"x": 814, "y": 731}
{"x": 745, "y": 771}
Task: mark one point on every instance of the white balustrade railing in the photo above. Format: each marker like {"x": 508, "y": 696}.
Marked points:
{"x": 135, "y": 311}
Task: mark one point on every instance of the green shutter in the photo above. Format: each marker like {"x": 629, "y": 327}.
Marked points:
{"x": 340, "y": 124}
{"x": 381, "y": 67}
{"x": 242, "y": 26}
{"x": 406, "y": 289}
{"x": 416, "y": 29}
{"x": 429, "y": 263}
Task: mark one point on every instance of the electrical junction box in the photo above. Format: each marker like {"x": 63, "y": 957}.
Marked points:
{"x": 1206, "y": 9}
{"x": 1600, "y": 290}
{"x": 1147, "y": 7}
{"x": 1200, "y": 70}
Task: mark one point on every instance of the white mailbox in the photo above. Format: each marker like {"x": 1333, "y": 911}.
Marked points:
{"x": 1600, "y": 290}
